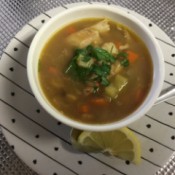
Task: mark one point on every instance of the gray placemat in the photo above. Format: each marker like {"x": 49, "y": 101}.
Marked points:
{"x": 16, "y": 13}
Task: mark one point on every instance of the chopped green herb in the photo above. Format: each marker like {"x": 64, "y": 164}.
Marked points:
{"x": 96, "y": 89}
{"x": 93, "y": 64}
{"x": 104, "y": 81}
{"x": 124, "y": 62}
{"x": 123, "y": 58}
{"x": 103, "y": 55}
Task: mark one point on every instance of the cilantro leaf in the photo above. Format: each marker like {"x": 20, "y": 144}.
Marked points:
{"x": 123, "y": 58}
{"x": 92, "y": 64}
{"x": 124, "y": 62}
{"x": 103, "y": 55}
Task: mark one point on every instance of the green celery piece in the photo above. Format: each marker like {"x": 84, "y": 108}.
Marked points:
{"x": 111, "y": 91}
{"x": 120, "y": 82}
{"x": 117, "y": 85}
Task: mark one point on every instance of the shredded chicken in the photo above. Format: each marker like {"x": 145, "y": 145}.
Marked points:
{"x": 127, "y": 35}
{"x": 89, "y": 35}
{"x": 101, "y": 26}
{"x": 111, "y": 48}
{"x": 124, "y": 32}
{"x": 84, "y": 37}
{"x": 123, "y": 47}
{"x": 115, "y": 69}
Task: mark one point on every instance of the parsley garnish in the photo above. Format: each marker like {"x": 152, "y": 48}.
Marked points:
{"x": 93, "y": 64}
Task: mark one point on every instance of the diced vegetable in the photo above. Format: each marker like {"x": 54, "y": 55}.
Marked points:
{"x": 132, "y": 56}
{"x": 111, "y": 91}
{"x": 99, "y": 101}
{"x": 84, "y": 108}
{"x": 94, "y": 65}
{"x": 53, "y": 70}
{"x": 118, "y": 83}
{"x": 111, "y": 48}
{"x": 139, "y": 94}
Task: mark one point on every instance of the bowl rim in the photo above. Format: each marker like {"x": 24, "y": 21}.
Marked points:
{"x": 95, "y": 127}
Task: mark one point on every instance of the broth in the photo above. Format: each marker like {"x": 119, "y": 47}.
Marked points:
{"x": 95, "y": 101}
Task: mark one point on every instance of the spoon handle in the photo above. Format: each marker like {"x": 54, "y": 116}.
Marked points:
{"x": 165, "y": 96}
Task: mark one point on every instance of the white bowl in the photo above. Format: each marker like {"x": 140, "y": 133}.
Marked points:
{"x": 97, "y": 11}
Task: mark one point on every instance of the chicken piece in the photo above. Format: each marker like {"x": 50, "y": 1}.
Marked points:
{"x": 124, "y": 47}
{"x": 101, "y": 26}
{"x": 89, "y": 35}
{"x": 111, "y": 48}
{"x": 84, "y": 38}
{"x": 127, "y": 35}
{"x": 115, "y": 69}
{"x": 124, "y": 32}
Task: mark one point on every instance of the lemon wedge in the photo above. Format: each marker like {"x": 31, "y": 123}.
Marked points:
{"x": 121, "y": 143}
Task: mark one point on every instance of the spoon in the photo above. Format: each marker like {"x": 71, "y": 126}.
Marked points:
{"x": 166, "y": 96}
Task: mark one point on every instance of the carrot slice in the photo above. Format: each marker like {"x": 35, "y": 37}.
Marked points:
{"x": 71, "y": 30}
{"x": 53, "y": 70}
{"x": 84, "y": 108}
{"x": 140, "y": 94}
{"x": 99, "y": 101}
{"x": 132, "y": 56}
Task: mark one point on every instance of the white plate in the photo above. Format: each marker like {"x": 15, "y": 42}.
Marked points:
{"x": 43, "y": 143}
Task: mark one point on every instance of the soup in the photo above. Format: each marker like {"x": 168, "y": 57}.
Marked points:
{"x": 95, "y": 71}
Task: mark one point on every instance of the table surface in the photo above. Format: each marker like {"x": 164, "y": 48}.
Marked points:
{"x": 14, "y": 14}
